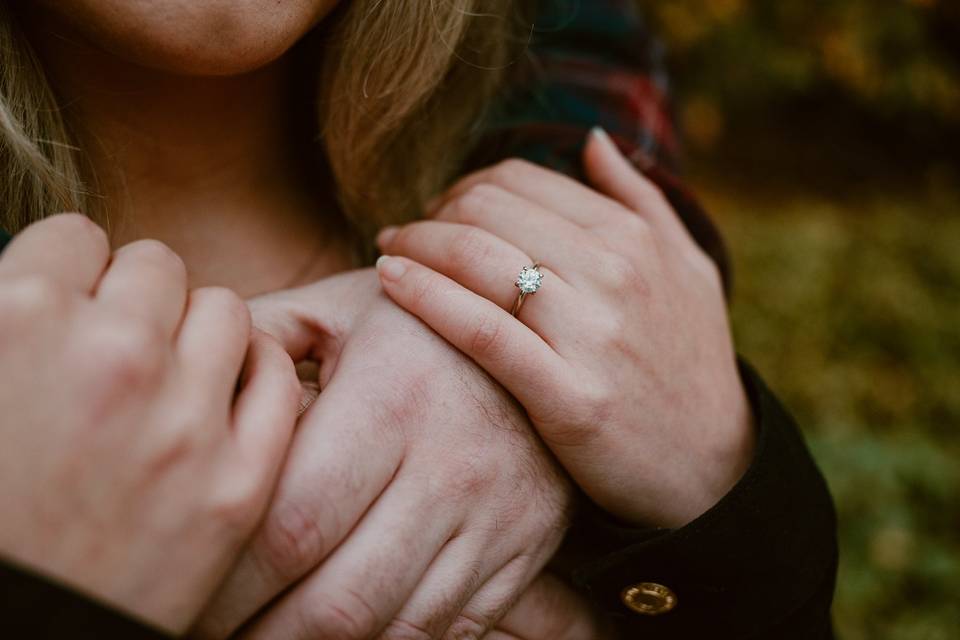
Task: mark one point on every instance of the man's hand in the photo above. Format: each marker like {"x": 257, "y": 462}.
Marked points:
{"x": 416, "y": 501}
{"x": 550, "y": 610}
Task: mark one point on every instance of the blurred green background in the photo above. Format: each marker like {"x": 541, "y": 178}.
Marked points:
{"x": 824, "y": 137}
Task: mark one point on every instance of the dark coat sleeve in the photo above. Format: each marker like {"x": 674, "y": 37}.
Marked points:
{"x": 34, "y": 607}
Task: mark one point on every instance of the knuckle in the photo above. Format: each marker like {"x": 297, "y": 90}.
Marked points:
{"x": 469, "y": 480}
{"x": 637, "y": 227}
{"x": 619, "y": 273}
{"x": 485, "y": 337}
{"x": 77, "y": 225}
{"x": 595, "y": 402}
{"x": 548, "y": 509}
{"x": 658, "y": 198}
{"x": 293, "y": 392}
{"x": 651, "y": 195}
{"x": 174, "y": 446}
{"x": 409, "y": 235}
{"x": 647, "y": 194}
{"x": 476, "y": 202}
{"x": 471, "y": 247}
{"x": 236, "y": 508}
{"x": 282, "y": 364}
{"x": 405, "y": 402}
{"x": 579, "y": 422}
{"x": 610, "y": 332}
{"x": 33, "y": 295}
{"x": 421, "y": 290}
{"x": 347, "y": 616}
{"x": 290, "y": 542}
{"x": 230, "y": 304}
{"x": 404, "y": 630}
{"x": 707, "y": 268}
{"x": 126, "y": 354}
{"x": 238, "y": 500}
{"x": 510, "y": 170}
{"x": 159, "y": 254}
{"x": 467, "y": 627}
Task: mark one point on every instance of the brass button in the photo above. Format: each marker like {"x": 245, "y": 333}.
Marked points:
{"x": 649, "y": 598}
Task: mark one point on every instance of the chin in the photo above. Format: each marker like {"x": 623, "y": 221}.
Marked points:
{"x": 189, "y": 37}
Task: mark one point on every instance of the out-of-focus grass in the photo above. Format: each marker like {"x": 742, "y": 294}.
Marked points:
{"x": 851, "y": 310}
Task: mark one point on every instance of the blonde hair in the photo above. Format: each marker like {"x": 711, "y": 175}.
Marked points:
{"x": 403, "y": 83}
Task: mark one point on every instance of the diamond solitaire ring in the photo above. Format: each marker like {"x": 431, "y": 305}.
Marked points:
{"x": 528, "y": 282}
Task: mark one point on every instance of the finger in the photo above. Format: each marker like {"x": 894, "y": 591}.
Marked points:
{"x": 322, "y": 494}
{"x": 450, "y": 582}
{"x": 553, "y": 240}
{"x": 212, "y": 341}
{"x": 550, "y": 610}
{"x": 146, "y": 280}
{"x": 287, "y": 318}
{"x": 475, "y": 258}
{"x": 506, "y": 348}
{"x": 610, "y": 172}
{"x": 493, "y": 600}
{"x": 486, "y": 265}
{"x": 360, "y": 588}
{"x": 550, "y": 190}
{"x": 307, "y": 320}
{"x": 68, "y": 248}
{"x": 266, "y": 407}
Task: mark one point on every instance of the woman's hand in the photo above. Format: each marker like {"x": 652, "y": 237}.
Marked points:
{"x": 417, "y": 500}
{"x": 132, "y": 466}
{"x": 623, "y": 360}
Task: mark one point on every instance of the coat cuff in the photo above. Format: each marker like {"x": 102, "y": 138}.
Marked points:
{"x": 764, "y": 552}
{"x": 34, "y": 607}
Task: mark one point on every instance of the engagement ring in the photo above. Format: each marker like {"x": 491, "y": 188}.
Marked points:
{"x": 528, "y": 282}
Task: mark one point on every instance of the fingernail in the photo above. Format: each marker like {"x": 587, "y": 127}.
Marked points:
{"x": 390, "y": 268}
{"x": 386, "y": 235}
{"x": 604, "y": 138}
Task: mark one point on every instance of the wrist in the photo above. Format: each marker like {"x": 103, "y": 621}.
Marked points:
{"x": 659, "y": 490}
{"x": 717, "y": 465}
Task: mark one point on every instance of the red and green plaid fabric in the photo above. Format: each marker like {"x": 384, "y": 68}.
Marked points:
{"x": 594, "y": 63}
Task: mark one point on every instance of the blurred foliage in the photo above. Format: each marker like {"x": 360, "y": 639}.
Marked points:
{"x": 825, "y": 137}
{"x": 852, "y": 312}
{"x": 892, "y": 59}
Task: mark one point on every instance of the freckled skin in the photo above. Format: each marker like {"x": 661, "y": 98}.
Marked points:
{"x": 188, "y": 37}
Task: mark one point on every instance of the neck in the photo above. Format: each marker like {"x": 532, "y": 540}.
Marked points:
{"x": 209, "y": 165}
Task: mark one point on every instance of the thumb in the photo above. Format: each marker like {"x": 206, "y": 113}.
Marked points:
{"x": 313, "y": 322}
{"x": 302, "y": 320}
